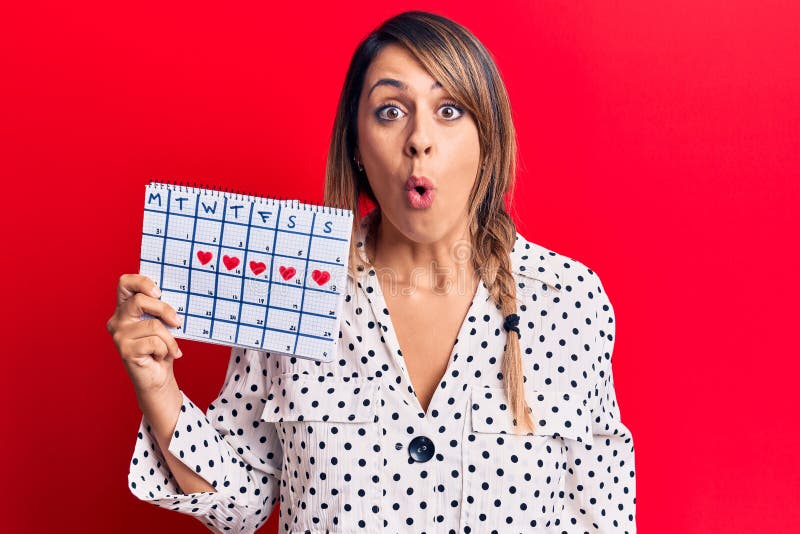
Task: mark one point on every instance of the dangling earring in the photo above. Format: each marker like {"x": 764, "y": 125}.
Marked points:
{"x": 358, "y": 164}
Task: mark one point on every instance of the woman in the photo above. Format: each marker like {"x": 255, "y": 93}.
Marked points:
{"x": 484, "y": 402}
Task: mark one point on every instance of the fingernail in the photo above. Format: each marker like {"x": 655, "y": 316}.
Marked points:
{"x": 178, "y": 320}
{"x": 179, "y": 354}
{"x": 155, "y": 292}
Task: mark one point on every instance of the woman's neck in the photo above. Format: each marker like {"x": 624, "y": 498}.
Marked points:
{"x": 440, "y": 267}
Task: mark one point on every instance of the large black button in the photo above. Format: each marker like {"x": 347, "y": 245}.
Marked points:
{"x": 421, "y": 449}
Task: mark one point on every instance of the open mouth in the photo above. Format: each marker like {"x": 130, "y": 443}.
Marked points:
{"x": 420, "y": 192}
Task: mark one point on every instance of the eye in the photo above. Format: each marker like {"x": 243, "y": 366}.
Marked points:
{"x": 391, "y": 112}
{"x": 453, "y": 106}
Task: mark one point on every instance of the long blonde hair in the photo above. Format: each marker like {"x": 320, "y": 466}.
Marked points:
{"x": 466, "y": 70}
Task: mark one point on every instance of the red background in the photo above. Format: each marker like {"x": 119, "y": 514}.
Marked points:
{"x": 658, "y": 144}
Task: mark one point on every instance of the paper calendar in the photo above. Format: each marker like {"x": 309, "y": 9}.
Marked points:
{"x": 247, "y": 271}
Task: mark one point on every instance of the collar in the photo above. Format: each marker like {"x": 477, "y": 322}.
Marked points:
{"x": 528, "y": 259}
{"x": 533, "y": 261}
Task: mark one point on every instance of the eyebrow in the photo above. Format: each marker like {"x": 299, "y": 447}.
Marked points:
{"x": 396, "y": 83}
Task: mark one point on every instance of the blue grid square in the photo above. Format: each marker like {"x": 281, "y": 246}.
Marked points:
{"x": 202, "y": 307}
{"x": 231, "y": 262}
{"x": 204, "y": 257}
{"x": 250, "y": 336}
{"x": 226, "y": 310}
{"x": 261, "y": 240}
{"x": 180, "y": 227}
{"x": 175, "y": 278}
{"x": 198, "y": 326}
{"x": 178, "y": 253}
{"x": 203, "y": 283}
{"x": 151, "y": 270}
{"x": 256, "y": 292}
{"x": 283, "y": 320}
{"x": 253, "y": 315}
{"x": 154, "y": 223}
{"x": 208, "y": 232}
{"x": 229, "y": 287}
{"x": 234, "y": 236}
{"x": 152, "y": 248}
{"x": 280, "y": 342}
{"x": 224, "y": 331}
{"x": 258, "y": 266}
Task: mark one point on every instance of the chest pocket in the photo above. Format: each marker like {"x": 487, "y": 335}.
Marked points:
{"x": 332, "y": 458}
{"x": 516, "y": 482}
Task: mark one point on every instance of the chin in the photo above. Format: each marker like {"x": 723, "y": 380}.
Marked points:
{"x": 421, "y": 226}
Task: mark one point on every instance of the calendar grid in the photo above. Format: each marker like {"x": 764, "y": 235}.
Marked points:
{"x": 295, "y": 259}
{"x": 305, "y": 279}
{"x": 272, "y": 270}
{"x": 216, "y": 278}
{"x": 244, "y": 272}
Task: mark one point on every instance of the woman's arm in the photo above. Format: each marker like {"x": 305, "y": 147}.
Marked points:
{"x": 161, "y": 410}
{"x": 237, "y": 455}
{"x": 600, "y": 485}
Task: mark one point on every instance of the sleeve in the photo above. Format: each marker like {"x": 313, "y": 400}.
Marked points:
{"x": 600, "y": 485}
{"x": 229, "y": 446}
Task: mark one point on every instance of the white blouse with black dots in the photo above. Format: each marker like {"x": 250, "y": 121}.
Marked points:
{"x": 346, "y": 447}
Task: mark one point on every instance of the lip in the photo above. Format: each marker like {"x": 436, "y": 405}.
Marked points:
{"x": 418, "y": 181}
{"x": 416, "y": 199}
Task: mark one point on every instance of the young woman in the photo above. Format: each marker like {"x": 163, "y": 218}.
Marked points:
{"x": 472, "y": 389}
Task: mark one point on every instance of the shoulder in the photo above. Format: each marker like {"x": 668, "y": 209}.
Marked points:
{"x": 571, "y": 279}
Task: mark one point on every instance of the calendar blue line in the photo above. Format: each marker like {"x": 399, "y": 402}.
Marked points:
{"x": 260, "y": 228}
{"x": 303, "y": 294}
{"x": 216, "y": 278}
{"x": 164, "y": 245}
{"x": 268, "y": 328}
{"x": 244, "y": 270}
{"x": 272, "y": 270}
{"x": 201, "y": 218}
{"x": 189, "y": 261}
{"x": 309, "y": 288}
{"x": 249, "y": 303}
{"x": 249, "y": 249}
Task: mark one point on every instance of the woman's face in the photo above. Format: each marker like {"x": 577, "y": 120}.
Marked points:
{"x": 406, "y": 127}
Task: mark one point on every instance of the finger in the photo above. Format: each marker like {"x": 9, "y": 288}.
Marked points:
{"x": 130, "y": 284}
{"x": 152, "y": 346}
{"x": 155, "y": 328}
{"x": 140, "y": 304}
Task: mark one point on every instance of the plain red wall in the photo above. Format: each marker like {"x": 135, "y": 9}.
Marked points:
{"x": 658, "y": 144}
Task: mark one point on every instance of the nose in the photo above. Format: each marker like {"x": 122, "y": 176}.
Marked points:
{"x": 420, "y": 138}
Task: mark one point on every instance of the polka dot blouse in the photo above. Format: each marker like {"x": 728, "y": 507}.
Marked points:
{"x": 346, "y": 447}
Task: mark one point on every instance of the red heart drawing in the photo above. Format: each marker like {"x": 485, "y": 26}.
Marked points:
{"x": 230, "y": 261}
{"x": 204, "y": 256}
{"x": 287, "y": 272}
{"x": 257, "y": 267}
{"x": 320, "y": 277}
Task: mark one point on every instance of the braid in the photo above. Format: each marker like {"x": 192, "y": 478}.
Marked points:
{"x": 492, "y": 252}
